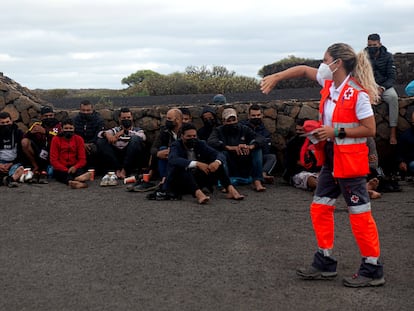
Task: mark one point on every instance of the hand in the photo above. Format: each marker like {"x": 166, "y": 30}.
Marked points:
{"x": 403, "y": 166}
{"x": 268, "y": 83}
{"x": 203, "y": 167}
{"x": 163, "y": 154}
{"x": 72, "y": 170}
{"x": 324, "y": 132}
{"x": 243, "y": 149}
{"x": 213, "y": 166}
{"x": 38, "y": 129}
{"x": 4, "y": 168}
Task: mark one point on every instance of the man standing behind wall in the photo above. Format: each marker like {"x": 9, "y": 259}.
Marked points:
{"x": 385, "y": 74}
{"x": 88, "y": 123}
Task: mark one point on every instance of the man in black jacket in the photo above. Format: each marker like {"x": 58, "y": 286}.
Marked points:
{"x": 242, "y": 148}
{"x": 385, "y": 74}
{"x": 88, "y": 123}
{"x": 193, "y": 165}
{"x": 10, "y": 151}
{"x": 255, "y": 122}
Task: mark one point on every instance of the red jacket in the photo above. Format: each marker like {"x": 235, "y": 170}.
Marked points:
{"x": 65, "y": 153}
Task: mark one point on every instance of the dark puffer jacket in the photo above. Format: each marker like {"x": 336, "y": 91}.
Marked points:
{"x": 384, "y": 68}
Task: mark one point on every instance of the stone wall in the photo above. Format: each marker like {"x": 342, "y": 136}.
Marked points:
{"x": 279, "y": 115}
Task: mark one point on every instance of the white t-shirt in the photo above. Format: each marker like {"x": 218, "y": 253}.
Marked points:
{"x": 363, "y": 106}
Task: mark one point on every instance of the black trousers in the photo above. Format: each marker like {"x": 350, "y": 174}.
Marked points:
{"x": 187, "y": 181}
{"x": 130, "y": 158}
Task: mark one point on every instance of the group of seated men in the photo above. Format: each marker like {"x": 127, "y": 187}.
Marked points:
{"x": 224, "y": 152}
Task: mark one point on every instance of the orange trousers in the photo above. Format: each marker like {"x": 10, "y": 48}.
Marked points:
{"x": 363, "y": 227}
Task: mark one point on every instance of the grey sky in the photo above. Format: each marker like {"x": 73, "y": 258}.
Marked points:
{"x": 94, "y": 44}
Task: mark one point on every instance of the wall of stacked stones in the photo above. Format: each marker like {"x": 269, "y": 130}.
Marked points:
{"x": 279, "y": 115}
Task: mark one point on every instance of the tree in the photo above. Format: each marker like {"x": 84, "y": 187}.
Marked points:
{"x": 139, "y": 77}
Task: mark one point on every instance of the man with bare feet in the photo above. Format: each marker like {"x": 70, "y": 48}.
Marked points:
{"x": 194, "y": 166}
{"x": 68, "y": 157}
{"x": 242, "y": 148}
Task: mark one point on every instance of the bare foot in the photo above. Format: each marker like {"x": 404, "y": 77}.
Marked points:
{"x": 77, "y": 184}
{"x": 373, "y": 194}
{"x": 121, "y": 174}
{"x": 84, "y": 177}
{"x": 18, "y": 173}
{"x": 258, "y": 186}
{"x": 233, "y": 193}
{"x": 372, "y": 184}
{"x": 201, "y": 197}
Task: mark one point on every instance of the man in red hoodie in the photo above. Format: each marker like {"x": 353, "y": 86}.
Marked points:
{"x": 68, "y": 157}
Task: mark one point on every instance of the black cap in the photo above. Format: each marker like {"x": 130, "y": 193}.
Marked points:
{"x": 46, "y": 109}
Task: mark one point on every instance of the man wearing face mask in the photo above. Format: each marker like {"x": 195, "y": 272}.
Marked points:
{"x": 122, "y": 147}
{"x": 385, "y": 74}
{"x": 255, "y": 122}
{"x": 88, "y": 123}
{"x": 192, "y": 166}
{"x": 210, "y": 121}
{"x": 242, "y": 148}
{"x": 10, "y": 151}
{"x": 36, "y": 142}
{"x": 68, "y": 157}
{"x": 160, "y": 148}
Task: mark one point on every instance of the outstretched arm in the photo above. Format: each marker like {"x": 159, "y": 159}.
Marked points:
{"x": 269, "y": 82}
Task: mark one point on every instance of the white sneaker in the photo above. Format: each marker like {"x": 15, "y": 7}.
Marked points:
{"x": 105, "y": 181}
{"x": 113, "y": 180}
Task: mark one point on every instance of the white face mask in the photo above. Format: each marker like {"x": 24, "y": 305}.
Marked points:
{"x": 325, "y": 71}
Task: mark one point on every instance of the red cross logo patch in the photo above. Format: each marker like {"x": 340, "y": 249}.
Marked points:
{"x": 354, "y": 198}
{"x": 349, "y": 93}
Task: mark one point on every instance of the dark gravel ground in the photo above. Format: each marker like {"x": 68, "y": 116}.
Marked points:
{"x": 108, "y": 249}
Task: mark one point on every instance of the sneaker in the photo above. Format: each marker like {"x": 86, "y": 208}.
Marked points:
{"x": 42, "y": 178}
{"x": 163, "y": 196}
{"x": 105, "y": 181}
{"x": 113, "y": 180}
{"x": 312, "y": 273}
{"x": 362, "y": 281}
{"x": 9, "y": 182}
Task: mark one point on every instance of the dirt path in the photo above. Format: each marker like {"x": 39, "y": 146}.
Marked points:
{"x": 107, "y": 249}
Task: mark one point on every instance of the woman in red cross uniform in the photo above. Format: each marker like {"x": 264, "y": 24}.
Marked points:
{"x": 346, "y": 119}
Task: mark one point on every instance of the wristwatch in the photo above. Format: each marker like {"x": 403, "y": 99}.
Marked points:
{"x": 342, "y": 133}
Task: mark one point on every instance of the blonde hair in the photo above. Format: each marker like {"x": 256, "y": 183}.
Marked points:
{"x": 359, "y": 66}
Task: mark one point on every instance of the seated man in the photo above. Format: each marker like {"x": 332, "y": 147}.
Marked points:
{"x": 187, "y": 117}
{"x": 382, "y": 63}
{"x": 160, "y": 148}
{"x": 255, "y": 122}
{"x": 122, "y": 147}
{"x": 210, "y": 121}
{"x": 88, "y": 123}
{"x": 36, "y": 142}
{"x": 241, "y": 146}
{"x": 405, "y": 149}
{"x": 10, "y": 151}
{"x": 193, "y": 165}
{"x": 68, "y": 157}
